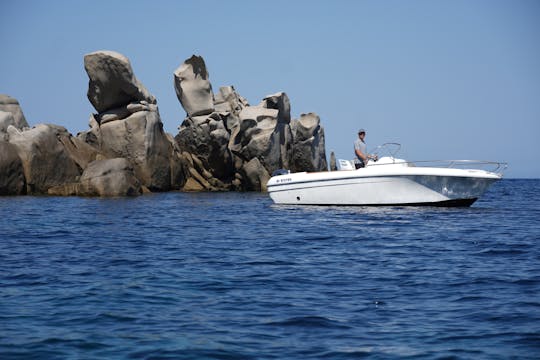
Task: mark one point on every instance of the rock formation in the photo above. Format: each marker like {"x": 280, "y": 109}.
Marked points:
{"x": 128, "y": 124}
{"x": 222, "y": 144}
{"x": 264, "y": 132}
{"x": 232, "y": 145}
{"x": 35, "y": 159}
{"x": 308, "y": 148}
{"x": 10, "y": 114}
{"x": 112, "y": 82}
{"x": 46, "y": 159}
{"x": 108, "y": 177}
{"x": 12, "y": 180}
{"x": 193, "y": 88}
{"x": 205, "y": 140}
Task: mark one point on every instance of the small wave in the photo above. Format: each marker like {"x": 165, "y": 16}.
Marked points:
{"x": 367, "y": 351}
{"x": 22, "y": 279}
{"x": 77, "y": 343}
{"x": 528, "y": 339}
{"x": 191, "y": 354}
{"x": 527, "y": 282}
{"x": 116, "y": 317}
{"x": 352, "y": 353}
{"x": 491, "y": 251}
{"x": 269, "y": 262}
{"x": 311, "y": 322}
{"x": 470, "y": 298}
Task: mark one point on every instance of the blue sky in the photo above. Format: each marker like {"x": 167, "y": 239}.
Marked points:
{"x": 446, "y": 79}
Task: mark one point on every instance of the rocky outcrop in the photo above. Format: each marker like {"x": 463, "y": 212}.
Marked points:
{"x": 107, "y": 178}
{"x": 229, "y": 101}
{"x": 140, "y": 139}
{"x": 45, "y": 159}
{"x": 308, "y": 148}
{"x": 193, "y": 89}
{"x": 222, "y": 144}
{"x": 35, "y": 159}
{"x": 264, "y": 132}
{"x": 254, "y": 175}
{"x": 128, "y": 124}
{"x": 204, "y": 140}
{"x": 237, "y": 146}
{"x": 11, "y": 114}
{"x": 112, "y": 82}
{"x": 6, "y": 120}
{"x": 12, "y": 181}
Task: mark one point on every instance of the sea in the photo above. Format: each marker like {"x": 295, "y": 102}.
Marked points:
{"x": 233, "y": 276}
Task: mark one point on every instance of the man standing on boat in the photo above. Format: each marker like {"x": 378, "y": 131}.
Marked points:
{"x": 361, "y": 156}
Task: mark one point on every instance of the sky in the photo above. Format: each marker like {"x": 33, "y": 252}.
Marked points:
{"x": 456, "y": 79}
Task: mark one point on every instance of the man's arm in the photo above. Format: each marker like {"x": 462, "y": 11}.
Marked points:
{"x": 361, "y": 155}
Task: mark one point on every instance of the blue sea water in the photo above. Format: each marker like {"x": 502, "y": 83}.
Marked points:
{"x": 232, "y": 276}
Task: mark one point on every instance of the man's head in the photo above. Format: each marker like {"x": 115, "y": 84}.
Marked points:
{"x": 362, "y": 133}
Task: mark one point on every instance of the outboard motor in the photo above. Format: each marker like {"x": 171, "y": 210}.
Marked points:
{"x": 280, "y": 172}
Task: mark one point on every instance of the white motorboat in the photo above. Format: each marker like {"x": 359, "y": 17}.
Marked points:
{"x": 388, "y": 181}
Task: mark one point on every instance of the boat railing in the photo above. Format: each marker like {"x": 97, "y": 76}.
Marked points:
{"x": 390, "y": 150}
{"x": 491, "y": 166}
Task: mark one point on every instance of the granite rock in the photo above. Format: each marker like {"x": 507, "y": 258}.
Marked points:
{"x": 12, "y": 181}
{"x": 46, "y": 162}
{"x": 9, "y": 105}
{"x": 105, "y": 178}
{"x": 264, "y": 132}
{"x": 206, "y": 138}
{"x": 140, "y": 139}
{"x": 193, "y": 88}
{"x": 110, "y": 177}
{"x": 238, "y": 145}
{"x": 6, "y": 119}
{"x": 309, "y": 152}
{"x": 112, "y": 83}
{"x": 254, "y": 175}
{"x": 128, "y": 124}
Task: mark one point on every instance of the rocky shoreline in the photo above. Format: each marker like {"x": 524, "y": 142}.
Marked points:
{"x": 223, "y": 144}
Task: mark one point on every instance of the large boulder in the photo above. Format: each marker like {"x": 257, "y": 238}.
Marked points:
{"x": 45, "y": 160}
{"x": 107, "y": 178}
{"x": 229, "y": 144}
{"x": 264, "y": 132}
{"x": 128, "y": 124}
{"x": 309, "y": 152}
{"x": 11, "y": 114}
{"x": 140, "y": 139}
{"x": 110, "y": 177}
{"x": 6, "y": 119}
{"x": 12, "y": 181}
{"x": 254, "y": 175}
{"x": 228, "y": 103}
{"x": 112, "y": 83}
{"x": 193, "y": 88}
{"x": 207, "y": 138}
{"x": 228, "y": 100}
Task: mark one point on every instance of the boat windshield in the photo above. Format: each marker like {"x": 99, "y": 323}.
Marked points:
{"x": 387, "y": 149}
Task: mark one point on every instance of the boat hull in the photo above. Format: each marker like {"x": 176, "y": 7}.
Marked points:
{"x": 410, "y": 187}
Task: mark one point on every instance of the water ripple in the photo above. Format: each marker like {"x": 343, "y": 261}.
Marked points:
{"x": 232, "y": 276}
